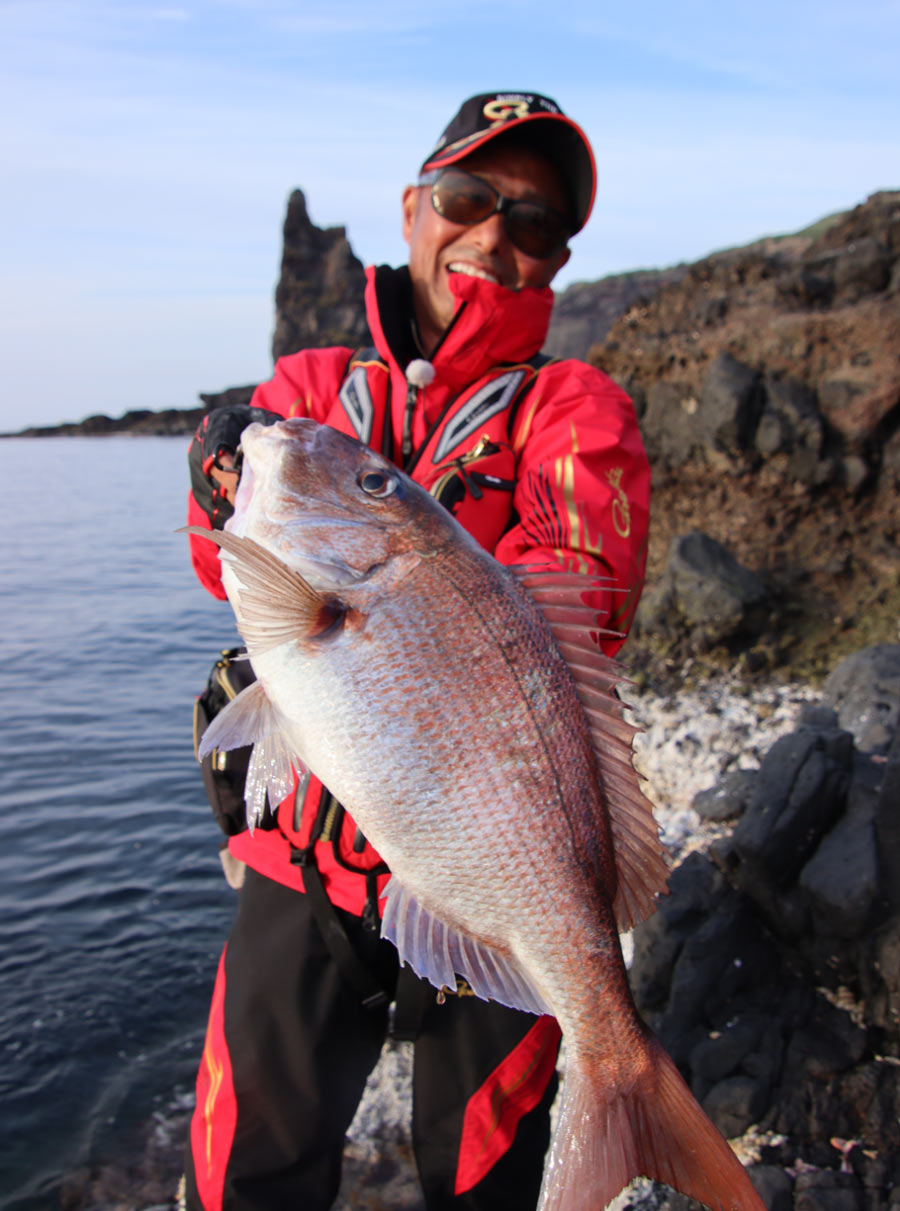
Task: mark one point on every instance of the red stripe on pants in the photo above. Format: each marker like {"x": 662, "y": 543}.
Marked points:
{"x": 215, "y": 1114}
{"x": 513, "y": 1088}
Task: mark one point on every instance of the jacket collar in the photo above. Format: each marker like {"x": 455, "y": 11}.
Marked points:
{"x": 492, "y": 325}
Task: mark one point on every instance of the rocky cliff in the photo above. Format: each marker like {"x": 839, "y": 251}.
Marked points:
{"x": 584, "y": 313}
{"x": 318, "y": 299}
{"x": 820, "y": 314}
{"x": 767, "y": 380}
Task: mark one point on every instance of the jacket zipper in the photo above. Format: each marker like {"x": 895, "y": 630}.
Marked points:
{"x": 412, "y": 394}
{"x": 406, "y": 449}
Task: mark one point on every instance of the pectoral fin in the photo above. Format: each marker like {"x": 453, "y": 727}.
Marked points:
{"x": 276, "y": 603}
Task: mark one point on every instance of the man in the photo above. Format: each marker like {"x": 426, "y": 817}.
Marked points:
{"x": 541, "y": 461}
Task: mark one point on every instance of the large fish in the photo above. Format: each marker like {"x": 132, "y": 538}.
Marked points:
{"x": 466, "y": 718}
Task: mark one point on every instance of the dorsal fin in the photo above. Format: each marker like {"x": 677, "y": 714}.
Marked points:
{"x": 564, "y": 600}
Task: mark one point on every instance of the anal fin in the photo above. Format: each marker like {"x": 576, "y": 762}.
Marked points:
{"x": 438, "y": 952}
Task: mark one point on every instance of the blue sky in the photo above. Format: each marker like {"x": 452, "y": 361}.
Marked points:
{"x": 149, "y": 149}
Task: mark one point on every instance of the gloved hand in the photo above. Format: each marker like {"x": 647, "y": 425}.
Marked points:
{"x": 214, "y": 448}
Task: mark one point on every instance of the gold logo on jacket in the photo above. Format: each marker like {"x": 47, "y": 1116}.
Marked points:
{"x": 621, "y": 512}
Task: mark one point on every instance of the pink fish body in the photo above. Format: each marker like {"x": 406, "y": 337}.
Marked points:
{"x": 466, "y": 718}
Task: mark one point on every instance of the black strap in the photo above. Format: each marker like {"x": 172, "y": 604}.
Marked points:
{"x": 351, "y": 967}
{"x": 413, "y": 998}
{"x": 537, "y": 363}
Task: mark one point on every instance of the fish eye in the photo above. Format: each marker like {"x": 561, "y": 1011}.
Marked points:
{"x": 378, "y": 483}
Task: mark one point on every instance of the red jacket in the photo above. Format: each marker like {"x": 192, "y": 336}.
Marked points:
{"x": 539, "y": 462}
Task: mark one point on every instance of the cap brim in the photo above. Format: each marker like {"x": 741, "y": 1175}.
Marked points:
{"x": 564, "y": 143}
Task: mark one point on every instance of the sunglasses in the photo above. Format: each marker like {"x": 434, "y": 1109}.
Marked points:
{"x": 533, "y": 227}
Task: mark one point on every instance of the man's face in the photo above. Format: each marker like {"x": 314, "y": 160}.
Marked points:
{"x": 437, "y": 246}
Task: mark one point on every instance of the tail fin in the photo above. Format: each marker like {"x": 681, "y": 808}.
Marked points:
{"x": 658, "y": 1131}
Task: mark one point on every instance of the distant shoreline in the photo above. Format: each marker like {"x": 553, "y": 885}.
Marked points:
{"x": 143, "y": 422}
{"x": 171, "y": 422}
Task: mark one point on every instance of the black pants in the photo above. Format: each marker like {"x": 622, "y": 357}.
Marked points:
{"x": 298, "y": 1046}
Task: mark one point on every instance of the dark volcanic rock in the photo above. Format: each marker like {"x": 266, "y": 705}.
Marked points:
{"x": 799, "y": 790}
{"x": 790, "y": 425}
{"x": 865, "y": 690}
{"x": 774, "y": 1186}
{"x": 728, "y": 798}
{"x": 736, "y": 1103}
{"x": 822, "y": 310}
{"x": 319, "y": 297}
{"x": 740, "y": 413}
{"x": 705, "y": 593}
{"x": 730, "y": 404}
{"x": 767, "y": 384}
{"x": 669, "y": 423}
{"x": 825, "y": 1190}
{"x": 771, "y": 970}
{"x": 887, "y": 824}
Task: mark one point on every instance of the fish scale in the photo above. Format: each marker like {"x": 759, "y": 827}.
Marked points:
{"x": 467, "y": 796}
{"x": 415, "y": 677}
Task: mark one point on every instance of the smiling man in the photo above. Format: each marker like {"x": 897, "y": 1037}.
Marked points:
{"x": 527, "y": 200}
{"x": 541, "y": 461}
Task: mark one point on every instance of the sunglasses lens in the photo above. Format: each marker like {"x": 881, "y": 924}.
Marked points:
{"x": 462, "y": 198}
{"x": 533, "y": 228}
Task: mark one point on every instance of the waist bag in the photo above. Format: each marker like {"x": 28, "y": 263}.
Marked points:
{"x": 224, "y": 773}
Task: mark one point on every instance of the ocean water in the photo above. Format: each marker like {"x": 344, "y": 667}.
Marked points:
{"x": 113, "y": 907}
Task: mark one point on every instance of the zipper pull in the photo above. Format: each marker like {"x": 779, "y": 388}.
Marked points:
{"x": 483, "y": 447}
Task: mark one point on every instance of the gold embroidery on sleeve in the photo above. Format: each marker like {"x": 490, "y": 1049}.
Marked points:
{"x": 621, "y": 510}
{"x": 524, "y": 428}
{"x": 580, "y": 538}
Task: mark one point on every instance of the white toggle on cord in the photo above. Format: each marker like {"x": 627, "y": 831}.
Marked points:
{"x": 420, "y": 373}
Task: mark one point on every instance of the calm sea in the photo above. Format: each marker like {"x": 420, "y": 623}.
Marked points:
{"x": 113, "y": 908}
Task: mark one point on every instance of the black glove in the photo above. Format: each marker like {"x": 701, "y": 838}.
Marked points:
{"x": 220, "y": 433}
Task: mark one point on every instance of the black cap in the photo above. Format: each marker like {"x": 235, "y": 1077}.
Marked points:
{"x": 550, "y": 132}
